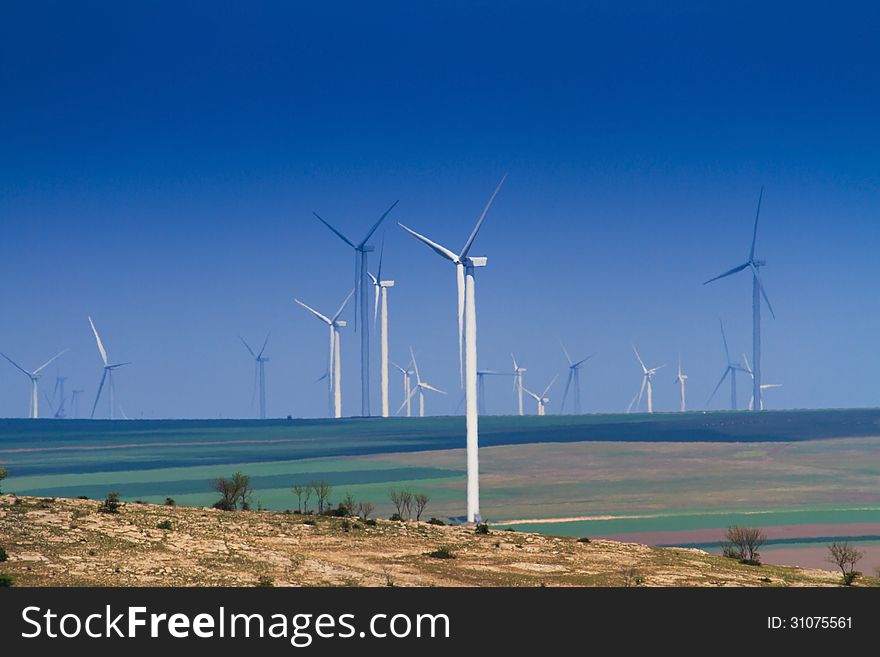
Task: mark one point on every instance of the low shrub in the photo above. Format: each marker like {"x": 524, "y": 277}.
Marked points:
{"x": 111, "y": 504}
{"x": 443, "y": 552}
{"x": 83, "y": 497}
{"x": 265, "y": 582}
{"x": 308, "y": 521}
{"x": 436, "y": 521}
{"x": 3, "y": 555}
{"x": 371, "y": 522}
{"x": 482, "y": 528}
{"x": 345, "y": 525}
{"x": 396, "y": 517}
{"x": 165, "y": 524}
{"x": 583, "y": 539}
{"x": 169, "y": 501}
{"x": 6, "y": 581}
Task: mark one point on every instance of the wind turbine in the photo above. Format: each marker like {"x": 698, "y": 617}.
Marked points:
{"x": 74, "y": 402}
{"x": 420, "y": 387}
{"x": 647, "y": 382}
{"x": 60, "y": 396}
{"x": 542, "y": 399}
{"x": 465, "y": 266}
{"x": 381, "y": 288}
{"x": 731, "y": 370}
{"x": 764, "y": 386}
{"x": 680, "y": 379}
{"x": 573, "y": 378}
{"x": 107, "y": 374}
{"x": 334, "y": 362}
{"x": 34, "y": 410}
{"x": 518, "y": 383}
{"x": 406, "y": 389}
{"x": 260, "y": 373}
{"x": 360, "y": 285}
{"x": 757, "y": 292}
{"x": 481, "y": 387}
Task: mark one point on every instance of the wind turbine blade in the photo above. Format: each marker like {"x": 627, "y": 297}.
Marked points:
{"x": 98, "y": 340}
{"x": 61, "y": 353}
{"x": 323, "y": 318}
{"x": 765, "y": 386}
{"x": 755, "y": 231}
{"x": 567, "y": 386}
{"x": 441, "y": 250}
{"x": 428, "y": 386}
{"x": 376, "y": 225}
{"x": 415, "y": 366}
{"x": 473, "y": 236}
{"x": 642, "y": 389}
{"x": 320, "y": 378}
{"x": 723, "y": 377}
{"x": 342, "y": 307}
{"x": 763, "y": 292}
{"x": 459, "y": 281}
{"x": 727, "y": 273}
{"x": 381, "y": 258}
{"x": 641, "y": 362}
{"x": 582, "y": 361}
{"x": 748, "y": 366}
{"x": 247, "y": 346}
{"x": 15, "y": 364}
{"x": 52, "y": 406}
{"x": 724, "y": 338}
{"x": 265, "y": 342}
{"x": 98, "y": 396}
{"x": 631, "y": 404}
{"x": 549, "y": 385}
{"x": 377, "y": 289}
{"x": 565, "y": 351}
{"x": 531, "y": 394}
{"x": 340, "y": 235}
{"x": 402, "y": 371}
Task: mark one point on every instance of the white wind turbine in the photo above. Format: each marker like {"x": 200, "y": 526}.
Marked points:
{"x": 481, "y": 387}
{"x": 757, "y": 292}
{"x": 518, "y": 383}
{"x": 680, "y": 379}
{"x": 542, "y": 399}
{"x": 764, "y": 386}
{"x": 731, "y": 370}
{"x": 260, "y": 373}
{"x": 465, "y": 266}
{"x": 106, "y": 376}
{"x": 573, "y": 378}
{"x": 381, "y": 288}
{"x": 34, "y": 410}
{"x": 407, "y": 373}
{"x": 420, "y": 387}
{"x": 647, "y": 382}
{"x": 334, "y": 361}
{"x": 360, "y": 311}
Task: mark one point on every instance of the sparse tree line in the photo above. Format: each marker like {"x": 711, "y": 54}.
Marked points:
{"x": 407, "y": 503}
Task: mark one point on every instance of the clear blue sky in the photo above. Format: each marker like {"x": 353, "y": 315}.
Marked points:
{"x": 159, "y": 167}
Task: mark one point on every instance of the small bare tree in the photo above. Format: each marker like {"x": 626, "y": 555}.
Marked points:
{"x": 420, "y": 500}
{"x": 845, "y": 556}
{"x": 322, "y": 492}
{"x": 407, "y": 502}
{"x": 398, "y": 499}
{"x": 349, "y": 504}
{"x": 301, "y": 490}
{"x": 365, "y": 509}
{"x": 744, "y": 542}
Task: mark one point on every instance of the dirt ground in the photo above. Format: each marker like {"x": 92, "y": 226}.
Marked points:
{"x": 65, "y": 542}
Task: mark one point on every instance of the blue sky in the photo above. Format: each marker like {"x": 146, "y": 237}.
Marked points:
{"x": 160, "y": 165}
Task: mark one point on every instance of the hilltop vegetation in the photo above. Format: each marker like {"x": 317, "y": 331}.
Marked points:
{"x": 63, "y": 542}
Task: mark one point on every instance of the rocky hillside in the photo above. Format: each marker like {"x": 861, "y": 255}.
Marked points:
{"x": 63, "y": 542}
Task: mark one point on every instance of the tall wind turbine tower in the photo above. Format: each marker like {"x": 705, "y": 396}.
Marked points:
{"x": 481, "y": 387}
{"x": 334, "y": 360}
{"x": 380, "y": 310}
{"x": 260, "y": 372}
{"x": 647, "y": 383}
{"x": 680, "y": 379}
{"x": 574, "y": 369}
{"x": 361, "y": 249}
{"x": 74, "y": 402}
{"x": 107, "y": 375}
{"x": 465, "y": 267}
{"x": 518, "y": 384}
{"x": 34, "y": 410}
{"x": 757, "y": 292}
{"x": 60, "y": 396}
